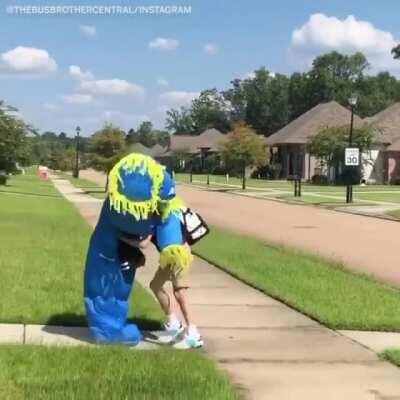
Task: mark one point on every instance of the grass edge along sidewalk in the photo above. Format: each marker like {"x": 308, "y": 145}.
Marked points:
{"x": 320, "y": 288}
{"x": 392, "y": 355}
{"x": 41, "y": 268}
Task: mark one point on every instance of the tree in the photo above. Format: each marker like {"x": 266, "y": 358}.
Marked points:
{"x": 13, "y": 140}
{"x": 261, "y": 101}
{"x": 299, "y": 99}
{"x": 243, "y": 149}
{"x": 236, "y": 97}
{"x": 329, "y": 146}
{"x": 335, "y": 76}
{"x": 180, "y": 122}
{"x": 108, "y": 146}
{"x": 132, "y": 137}
{"x": 163, "y": 138}
{"x": 210, "y": 110}
{"x": 267, "y": 101}
{"x": 145, "y": 134}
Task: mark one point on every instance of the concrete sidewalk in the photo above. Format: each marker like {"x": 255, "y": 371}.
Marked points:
{"x": 269, "y": 350}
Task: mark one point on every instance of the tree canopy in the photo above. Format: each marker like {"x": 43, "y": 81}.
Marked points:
{"x": 267, "y": 101}
{"x": 108, "y": 146}
{"x": 243, "y": 148}
{"x": 13, "y": 138}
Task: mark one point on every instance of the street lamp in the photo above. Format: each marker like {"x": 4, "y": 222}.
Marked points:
{"x": 76, "y": 171}
{"x": 349, "y": 188}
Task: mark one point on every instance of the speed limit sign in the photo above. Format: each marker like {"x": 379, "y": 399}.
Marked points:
{"x": 352, "y": 156}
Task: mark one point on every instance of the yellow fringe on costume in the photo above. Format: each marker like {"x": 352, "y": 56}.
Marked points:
{"x": 176, "y": 256}
{"x": 166, "y": 207}
{"x": 141, "y": 164}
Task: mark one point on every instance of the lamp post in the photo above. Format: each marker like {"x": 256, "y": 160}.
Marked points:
{"x": 244, "y": 175}
{"x": 349, "y": 188}
{"x": 76, "y": 171}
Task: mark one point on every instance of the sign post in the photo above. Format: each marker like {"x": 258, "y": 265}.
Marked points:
{"x": 351, "y": 159}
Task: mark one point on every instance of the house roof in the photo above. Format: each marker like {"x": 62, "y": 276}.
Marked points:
{"x": 141, "y": 149}
{"x": 388, "y": 123}
{"x": 158, "y": 150}
{"x": 155, "y": 151}
{"x": 311, "y": 122}
{"x": 210, "y": 139}
{"x": 395, "y": 146}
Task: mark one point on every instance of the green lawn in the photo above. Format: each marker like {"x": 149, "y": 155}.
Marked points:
{"x": 109, "y": 372}
{"x": 43, "y": 249}
{"x": 312, "y": 285}
{"x": 392, "y": 355}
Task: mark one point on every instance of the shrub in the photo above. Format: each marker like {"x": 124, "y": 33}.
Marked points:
{"x": 3, "y": 178}
{"x": 395, "y": 181}
{"x": 319, "y": 179}
{"x": 350, "y": 176}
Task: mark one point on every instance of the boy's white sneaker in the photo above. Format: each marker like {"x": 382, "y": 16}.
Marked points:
{"x": 171, "y": 333}
{"x": 191, "y": 340}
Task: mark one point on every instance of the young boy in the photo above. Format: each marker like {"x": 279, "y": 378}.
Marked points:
{"x": 183, "y": 338}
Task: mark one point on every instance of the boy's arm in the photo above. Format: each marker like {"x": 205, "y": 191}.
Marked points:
{"x": 142, "y": 244}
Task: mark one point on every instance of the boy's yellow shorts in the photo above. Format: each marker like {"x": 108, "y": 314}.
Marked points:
{"x": 178, "y": 278}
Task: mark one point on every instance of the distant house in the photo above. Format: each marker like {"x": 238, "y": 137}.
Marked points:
{"x": 387, "y": 123}
{"x": 201, "y": 146}
{"x": 207, "y": 142}
{"x": 290, "y": 142}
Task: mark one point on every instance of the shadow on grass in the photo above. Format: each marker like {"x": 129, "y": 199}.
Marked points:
{"x": 73, "y": 319}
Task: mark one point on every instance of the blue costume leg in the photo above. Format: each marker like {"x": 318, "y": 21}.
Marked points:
{"x": 107, "y": 287}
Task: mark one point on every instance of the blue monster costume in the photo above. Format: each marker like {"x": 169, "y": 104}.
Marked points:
{"x": 141, "y": 201}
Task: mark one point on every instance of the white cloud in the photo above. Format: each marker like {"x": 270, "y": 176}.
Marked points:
{"x": 166, "y": 44}
{"x": 177, "y": 98}
{"x": 111, "y": 87}
{"x": 211, "y": 49}
{"x": 27, "y": 60}
{"x": 88, "y": 30}
{"x": 78, "y": 74}
{"x": 322, "y": 33}
{"x": 162, "y": 82}
{"x": 78, "y": 98}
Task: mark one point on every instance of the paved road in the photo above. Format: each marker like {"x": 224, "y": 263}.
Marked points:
{"x": 364, "y": 244}
{"x": 268, "y": 349}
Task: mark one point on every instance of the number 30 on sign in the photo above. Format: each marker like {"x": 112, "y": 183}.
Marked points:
{"x": 352, "y": 156}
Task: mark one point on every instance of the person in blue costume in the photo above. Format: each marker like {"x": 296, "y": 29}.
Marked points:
{"x": 141, "y": 201}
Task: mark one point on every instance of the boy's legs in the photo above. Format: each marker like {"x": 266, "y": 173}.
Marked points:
{"x": 192, "y": 336}
{"x": 157, "y": 287}
{"x": 163, "y": 275}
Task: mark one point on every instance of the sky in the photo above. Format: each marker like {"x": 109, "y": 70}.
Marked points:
{"x": 86, "y": 66}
